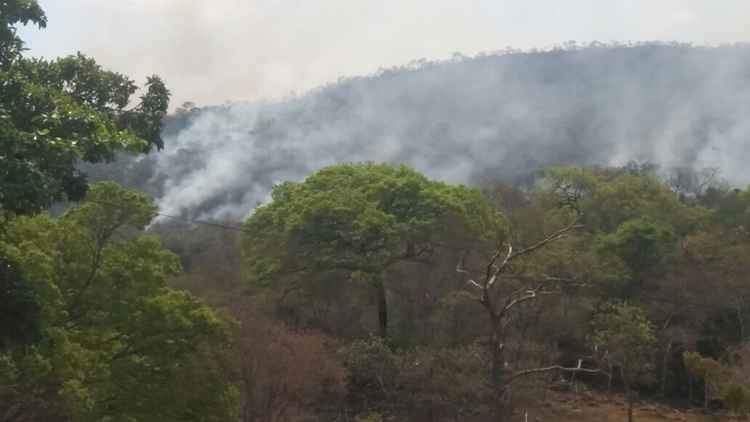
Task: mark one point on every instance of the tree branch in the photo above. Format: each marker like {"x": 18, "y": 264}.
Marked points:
{"x": 550, "y": 238}
{"x": 532, "y": 371}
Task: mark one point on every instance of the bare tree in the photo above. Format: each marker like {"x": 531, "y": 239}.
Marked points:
{"x": 500, "y": 307}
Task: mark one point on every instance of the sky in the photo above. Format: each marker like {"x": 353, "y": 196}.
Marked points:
{"x": 210, "y": 52}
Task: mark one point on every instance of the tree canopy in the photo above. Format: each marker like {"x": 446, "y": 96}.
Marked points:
{"x": 358, "y": 220}
{"x": 57, "y": 113}
{"x": 12, "y": 13}
{"x": 112, "y": 340}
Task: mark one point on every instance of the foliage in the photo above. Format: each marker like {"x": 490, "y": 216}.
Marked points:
{"x": 445, "y": 383}
{"x": 425, "y": 383}
{"x": 723, "y": 380}
{"x": 734, "y": 390}
{"x": 282, "y": 375}
{"x": 19, "y": 315}
{"x": 372, "y": 367}
{"x": 95, "y": 330}
{"x": 609, "y": 197}
{"x": 12, "y": 13}
{"x": 626, "y": 339}
{"x": 684, "y": 269}
{"x": 707, "y": 370}
{"x": 355, "y": 221}
{"x": 362, "y": 216}
{"x": 114, "y": 339}
{"x": 641, "y": 243}
{"x": 737, "y": 398}
{"x": 55, "y": 114}
{"x": 370, "y": 417}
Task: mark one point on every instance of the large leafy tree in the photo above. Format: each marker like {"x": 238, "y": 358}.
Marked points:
{"x": 113, "y": 342}
{"x": 356, "y": 221}
{"x": 55, "y": 114}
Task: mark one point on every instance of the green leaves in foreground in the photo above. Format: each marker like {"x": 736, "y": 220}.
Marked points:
{"x": 113, "y": 341}
{"x": 57, "y": 113}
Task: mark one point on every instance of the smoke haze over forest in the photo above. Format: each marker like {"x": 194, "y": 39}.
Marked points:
{"x": 500, "y": 115}
{"x": 213, "y": 51}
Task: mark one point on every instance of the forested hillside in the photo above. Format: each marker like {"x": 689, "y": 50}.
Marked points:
{"x": 500, "y": 115}
{"x": 554, "y": 284}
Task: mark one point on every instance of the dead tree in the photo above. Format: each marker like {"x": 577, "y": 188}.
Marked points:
{"x": 499, "y": 310}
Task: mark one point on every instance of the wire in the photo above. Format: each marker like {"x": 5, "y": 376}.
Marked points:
{"x": 202, "y": 222}
{"x": 179, "y": 218}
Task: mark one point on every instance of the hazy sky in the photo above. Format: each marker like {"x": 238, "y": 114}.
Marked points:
{"x": 210, "y": 51}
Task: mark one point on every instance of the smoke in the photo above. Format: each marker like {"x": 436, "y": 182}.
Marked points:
{"x": 211, "y": 51}
{"x": 501, "y": 115}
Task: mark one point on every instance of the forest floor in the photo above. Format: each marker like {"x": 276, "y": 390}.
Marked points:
{"x": 591, "y": 407}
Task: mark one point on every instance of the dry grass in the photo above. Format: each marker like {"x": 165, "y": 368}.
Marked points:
{"x": 588, "y": 407}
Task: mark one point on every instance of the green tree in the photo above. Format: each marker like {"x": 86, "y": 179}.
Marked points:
{"x": 12, "y": 13}
{"x": 642, "y": 245}
{"x": 609, "y": 197}
{"x": 708, "y": 370}
{"x": 356, "y": 221}
{"x": 114, "y": 341}
{"x": 625, "y": 339}
{"x": 55, "y": 114}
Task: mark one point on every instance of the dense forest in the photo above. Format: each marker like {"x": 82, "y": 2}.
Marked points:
{"x": 360, "y": 288}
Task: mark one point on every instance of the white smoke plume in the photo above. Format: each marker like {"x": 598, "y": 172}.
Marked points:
{"x": 501, "y": 115}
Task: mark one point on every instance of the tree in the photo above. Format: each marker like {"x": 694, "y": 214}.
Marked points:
{"x": 12, "y": 13}
{"x": 54, "y": 114}
{"x": 282, "y": 375}
{"x": 641, "y": 244}
{"x": 356, "y": 221}
{"x": 508, "y": 281}
{"x": 625, "y": 339}
{"x": 735, "y": 392}
{"x": 114, "y": 341}
{"x": 707, "y": 370}
{"x": 20, "y": 312}
{"x": 609, "y": 197}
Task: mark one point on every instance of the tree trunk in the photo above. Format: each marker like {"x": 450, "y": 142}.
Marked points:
{"x": 498, "y": 371}
{"x": 503, "y": 408}
{"x": 497, "y": 356}
{"x": 382, "y": 307}
{"x": 665, "y": 369}
{"x": 740, "y": 322}
{"x": 628, "y": 394}
{"x": 630, "y": 405}
{"x": 705, "y": 394}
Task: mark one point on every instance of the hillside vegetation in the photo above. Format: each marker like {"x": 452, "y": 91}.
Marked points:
{"x": 500, "y": 116}
{"x": 362, "y": 289}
